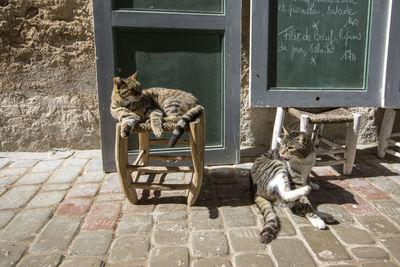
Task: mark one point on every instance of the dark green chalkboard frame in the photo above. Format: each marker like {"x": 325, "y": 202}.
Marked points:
{"x": 262, "y": 94}
{"x": 227, "y": 24}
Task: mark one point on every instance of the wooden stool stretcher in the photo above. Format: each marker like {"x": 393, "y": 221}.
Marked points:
{"x": 196, "y": 132}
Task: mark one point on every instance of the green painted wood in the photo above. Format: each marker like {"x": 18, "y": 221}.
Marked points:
{"x": 208, "y": 6}
{"x": 320, "y": 45}
{"x": 186, "y": 60}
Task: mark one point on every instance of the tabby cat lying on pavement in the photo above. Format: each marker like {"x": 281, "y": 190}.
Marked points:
{"x": 282, "y": 174}
{"x": 131, "y": 105}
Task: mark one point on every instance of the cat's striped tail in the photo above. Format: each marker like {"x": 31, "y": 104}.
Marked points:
{"x": 271, "y": 221}
{"x": 189, "y": 116}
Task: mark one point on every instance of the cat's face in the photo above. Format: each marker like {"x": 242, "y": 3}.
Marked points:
{"x": 129, "y": 88}
{"x": 296, "y": 145}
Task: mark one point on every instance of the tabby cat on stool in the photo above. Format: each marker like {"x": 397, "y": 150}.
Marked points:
{"x": 282, "y": 174}
{"x": 131, "y": 105}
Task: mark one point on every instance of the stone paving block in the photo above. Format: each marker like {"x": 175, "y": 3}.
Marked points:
{"x": 122, "y": 252}
{"x": 65, "y": 175}
{"x": 111, "y": 184}
{"x": 135, "y": 224}
{"x": 86, "y": 262}
{"x": 47, "y": 166}
{"x": 10, "y": 175}
{"x": 234, "y": 191}
{"x": 24, "y": 163}
{"x": 91, "y": 177}
{"x": 380, "y": 264}
{"x": 102, "y": 216}
{"x": 2, "y": 189}
{"x": 253, "y": 260}
{"x": 5, "y": 217}
{"x": 10, "y": 254}
{"x": 299, "y": 255}
{"x": 56, "y": 235}
{"x": 386, "y": 184}
{"x": 390, "y": 209}
{"x": 325, "y": 171}
{"x": 173, "y": 216}
{"x": 321, "y": 196}
{"x": 338, "y": 212}
{"x": 17, "y": 197}
{"x": 91, "y": 244}
{"x": 324, "y": 244}
{"x": 359, "y": 207}
{"x": 286, "y": 227}
{"x": 392, "y": 244}
{"x": 56, "y": 187}
{"x": 95, "y": 165}
{"x": 25, "y": 225}
{"x": 172, "y": 233}
{"x": 169, "y": 256}
{"x": 170, "y": 207}
{"x": 75, "y": 206}
{"x": 111, "y": 197}
{"x": 378, "y": 224}
{"x": 238, "y": 216}
{"x": 367, "y": 190}
{"x": 245, "y": 239}
{"x": 352, "y": 235}
{"x": 4, "y": 163}
{"x": 200, "y": 220}
{"x": 212, "y": 262}
{"x": 129, "y": 208}
{"x": 40, "y": 260}
{"x": 75, "y": 162}
{"x": 83, "y": 190}
{"x": 46, "y": 199}
{"x": 34, "y": 178}
{"x": 221, "y": 174}
{"x": 209, "y": 244}
{"x": 87, "y": 154}
{"x": 370, "y": 253}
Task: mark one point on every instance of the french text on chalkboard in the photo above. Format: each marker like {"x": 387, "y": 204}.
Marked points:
{"x": 319, "y": 44}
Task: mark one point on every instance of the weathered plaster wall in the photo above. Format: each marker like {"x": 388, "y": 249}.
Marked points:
{"x": 48, "y": 84}
{"x": 47, "y": 81}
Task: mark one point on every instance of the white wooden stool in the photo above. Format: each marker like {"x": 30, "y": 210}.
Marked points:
{"x": 387, "y": 139}
{"x": 317, "y": 118}
{"x": 196, "y": 131}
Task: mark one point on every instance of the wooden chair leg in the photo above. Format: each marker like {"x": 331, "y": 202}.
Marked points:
{"x": 351, "y": 144}
{"x": 197, "y": 142}
{"x": 121, "y": 160}
{"x": 304, "y": 123}
{"x": 386, "y": 131}
{"x": 279, "y": 118}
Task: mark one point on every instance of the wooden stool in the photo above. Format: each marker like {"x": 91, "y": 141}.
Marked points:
{"x": 386, "y": 137}
{"x": 196, "y": 131}
{"x": 318, "y": 118}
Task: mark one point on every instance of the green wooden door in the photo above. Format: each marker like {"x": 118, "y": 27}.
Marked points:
{"x": 188, "y": 45}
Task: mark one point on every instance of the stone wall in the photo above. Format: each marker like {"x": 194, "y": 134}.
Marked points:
{"x": 48, "y": 94}
{"x": 47, "y": 83}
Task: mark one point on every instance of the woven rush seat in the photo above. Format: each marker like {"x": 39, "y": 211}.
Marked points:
{"x": 337, "y": 115}
{"x": 312, "y": 121}
{"x": 130, "y": 174}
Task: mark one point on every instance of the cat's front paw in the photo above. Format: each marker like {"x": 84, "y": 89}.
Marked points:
{"x": 126, "y": 130}
{"x": 307, "y": 190}
{"x": 157, "y": 132}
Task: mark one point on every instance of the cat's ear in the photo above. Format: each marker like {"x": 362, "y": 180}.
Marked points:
{"x": 303, "y": 139}
{"x": 133, "y": 76}
{"x": 285, "y": 131}
{"x": 118, "y": 82}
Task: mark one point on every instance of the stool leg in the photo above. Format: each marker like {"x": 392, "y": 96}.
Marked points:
{"x": 304, "y": 123}
{"x": 144, "y": 145}
{"x": 197, "y": 142}
{"x": 351, "y": 144}
{"x": 121, "y": 160}
{"x": 386, "y": 131}
{"x": 279, "y": 118}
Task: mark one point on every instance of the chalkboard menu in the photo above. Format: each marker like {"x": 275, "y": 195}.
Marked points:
{"x": 318, "y": 52}
{"x": 320, "y": 43}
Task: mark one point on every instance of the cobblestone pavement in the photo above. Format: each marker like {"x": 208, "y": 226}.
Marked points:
{"x": 60, "y": 209}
